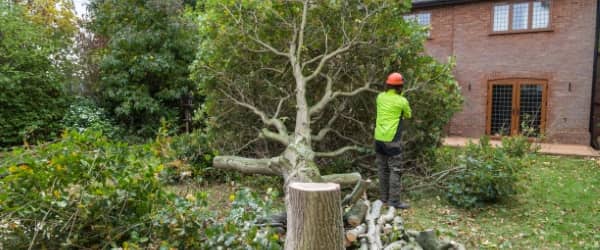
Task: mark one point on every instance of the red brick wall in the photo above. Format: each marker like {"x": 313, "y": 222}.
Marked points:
{"x": 564, "y": 55}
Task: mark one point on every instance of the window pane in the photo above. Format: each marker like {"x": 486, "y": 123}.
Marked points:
{"x": 520, "y": 16}
{"x": 541, "y": 15}
{"x": 501, "y": 17}
{"x": 424, "y": 19}
{"x": 501, "y": 109}
{"x": 409, "y": 18}
{"x": 531, "y": 109}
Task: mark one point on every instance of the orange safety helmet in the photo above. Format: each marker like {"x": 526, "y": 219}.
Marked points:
{"x": 395, "y": 79}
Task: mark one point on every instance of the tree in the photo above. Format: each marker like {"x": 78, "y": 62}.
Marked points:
{"x": 272, "y": 47}
{"x": 57, "y": 16}
{"x": 32, "y": 96}
{"x": 328, "y": 57}
{"x": 144, "y": 71}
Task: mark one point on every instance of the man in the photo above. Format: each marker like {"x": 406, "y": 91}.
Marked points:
{"x": 392, "y": 108}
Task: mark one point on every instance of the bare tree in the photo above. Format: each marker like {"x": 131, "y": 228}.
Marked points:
{"x": 325, "y": 66}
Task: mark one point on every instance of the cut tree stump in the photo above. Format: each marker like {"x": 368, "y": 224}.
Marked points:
{"x": 314, "y": 217}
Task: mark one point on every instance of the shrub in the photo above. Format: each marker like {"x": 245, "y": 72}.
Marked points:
{"x": 194, "y": 149}
{"x": 86, "y": 191}
{"x": 482, "y": 174}
{"x": 81, "y": 191}
{"x": 84, "y": 114}
{"x": 518, "y": 146}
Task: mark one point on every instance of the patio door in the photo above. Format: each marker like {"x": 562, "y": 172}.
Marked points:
{"x": 516, "y": 106}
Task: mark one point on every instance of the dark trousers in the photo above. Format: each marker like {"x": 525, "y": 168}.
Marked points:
{"x": 389, "y": 176}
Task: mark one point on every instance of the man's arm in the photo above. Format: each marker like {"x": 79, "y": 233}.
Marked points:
{"x": 406, "y": 111}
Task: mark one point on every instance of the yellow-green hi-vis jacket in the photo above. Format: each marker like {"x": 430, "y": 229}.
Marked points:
{"x": 391, "y": 108}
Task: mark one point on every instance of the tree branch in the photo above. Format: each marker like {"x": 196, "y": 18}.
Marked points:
{"x": 345, "y": 46}
{"x": 347, "y": 179}
{"x": 268, "y": 134}
{"x": 323, "y": 132}
{"x": 254, "y": 38}
{"x": 279, "y": 105}
{"x": 267, "y": 46}
{"x": 329, "y": 96}
{"x": 339, "y": 151}
{"x": 266, "y": 120}
{"x": 326, "y": 58}
{"x": 266, "y": 166}
{"x": 301, "y": 31}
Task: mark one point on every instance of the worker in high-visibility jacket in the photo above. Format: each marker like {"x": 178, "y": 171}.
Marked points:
{"x": 392, "y": 109}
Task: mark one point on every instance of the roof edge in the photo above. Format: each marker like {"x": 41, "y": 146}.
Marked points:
{"x": 419, "y": 5}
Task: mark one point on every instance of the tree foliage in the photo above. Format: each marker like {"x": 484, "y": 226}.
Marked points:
{"x": 56, "y": 16}
{"x": 144, "y": 68}
{"x": 31, "y": 78}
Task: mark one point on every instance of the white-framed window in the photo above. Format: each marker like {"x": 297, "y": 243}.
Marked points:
{"x": 501, "y": 15}
{"x": 423, "y": 19}
{"x": 541, "y": 15}
{"x": 521, "y": 16}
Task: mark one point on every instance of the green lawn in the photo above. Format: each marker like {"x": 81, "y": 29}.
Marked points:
{"x": 559, "y": 208}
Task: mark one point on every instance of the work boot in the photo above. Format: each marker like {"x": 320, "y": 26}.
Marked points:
{"x": 399, "y": 205}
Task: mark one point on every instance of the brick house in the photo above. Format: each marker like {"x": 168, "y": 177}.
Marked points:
{"x": 521, "y": 64}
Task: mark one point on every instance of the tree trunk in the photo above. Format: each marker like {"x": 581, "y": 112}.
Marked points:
{"x": 314, "y": 215}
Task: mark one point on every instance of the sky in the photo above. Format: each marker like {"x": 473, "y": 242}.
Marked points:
{"x": 80, "y": 6}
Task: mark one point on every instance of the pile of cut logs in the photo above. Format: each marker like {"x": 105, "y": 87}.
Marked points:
{"x": 369, "y": 229}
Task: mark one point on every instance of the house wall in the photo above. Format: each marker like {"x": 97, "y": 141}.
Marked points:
{"x": 561, "y": 56}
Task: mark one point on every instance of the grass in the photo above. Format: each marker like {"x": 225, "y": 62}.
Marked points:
{"x": 559, "y": 208}
{"x": 221, "y": 194}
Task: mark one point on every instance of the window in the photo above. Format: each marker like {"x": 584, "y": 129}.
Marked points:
{"x": 541, "y": 15}
{"x": 521, "y": 16}
{"x": 501, "y": 17}
{"x": 423, "y": 19}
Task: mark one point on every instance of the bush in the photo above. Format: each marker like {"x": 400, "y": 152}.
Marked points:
{"x": 86, "y": 191}
{"x": 84, "y": 114}
{"x": 194, "y": 149}
{"x": 482, "y": 174}
{"x": 81, "y": 191}
{"x": 518, "y": 146}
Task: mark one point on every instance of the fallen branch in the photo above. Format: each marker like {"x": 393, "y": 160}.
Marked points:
{"x": 364, "y": 244}
{"x": 360, "y": 188}
{"x": 340, "y": 151}
{"x": 389, "y": 216}
{"x": 398, "y": 224}
{"x": 353, "y": 234}
{"x": 373, "y": 233}
{"x": 342, "y": 179}
{"x": 267, "y": 166}
{"x": 357, "y": 213}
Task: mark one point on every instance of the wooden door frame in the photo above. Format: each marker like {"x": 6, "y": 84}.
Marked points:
{"x": 516, "y": 103}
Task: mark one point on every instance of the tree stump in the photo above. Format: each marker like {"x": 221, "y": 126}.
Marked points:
{"x": 314, "y": 216}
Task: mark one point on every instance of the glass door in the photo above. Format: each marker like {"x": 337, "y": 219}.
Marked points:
{"x": 516, "y": 106}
